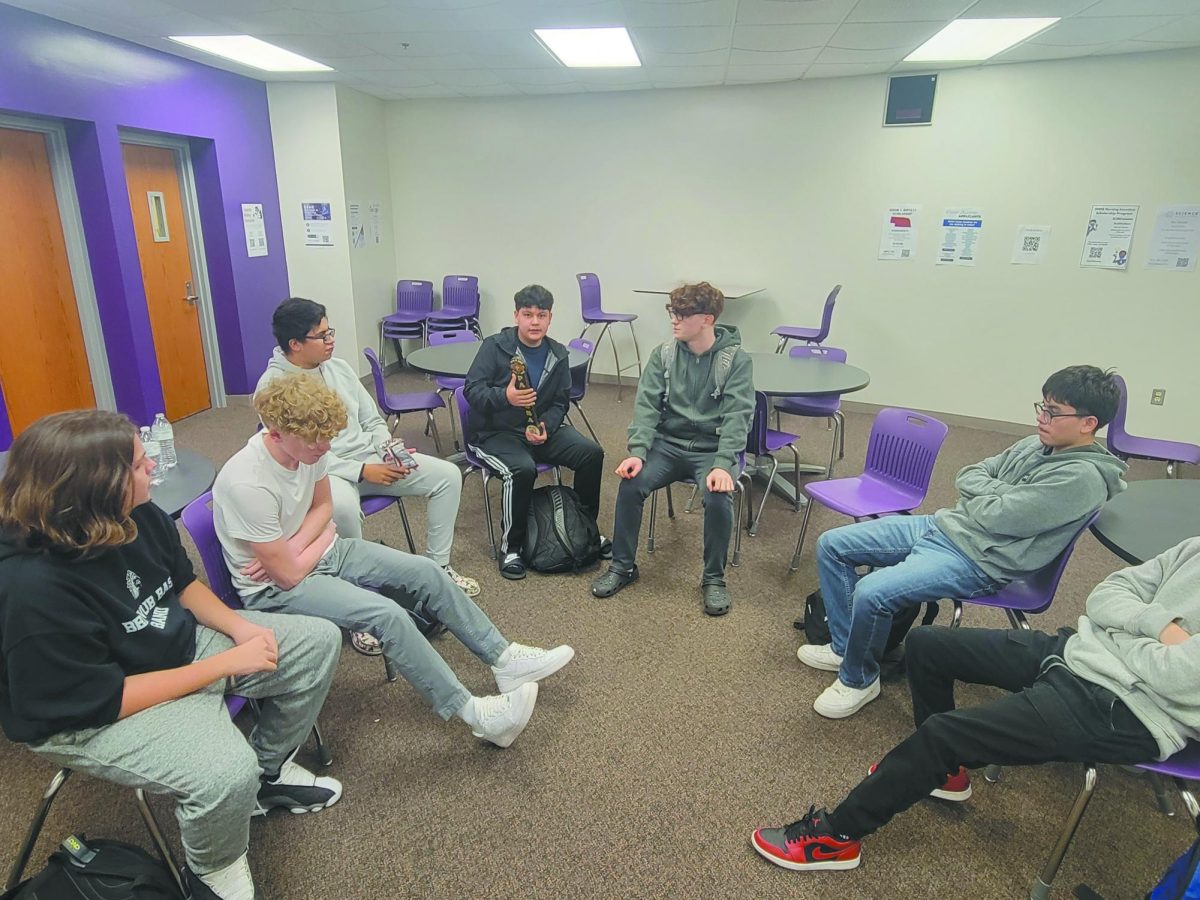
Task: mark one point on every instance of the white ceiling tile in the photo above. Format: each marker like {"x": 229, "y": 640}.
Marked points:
{"x": 466, "y": 78}
{"x": 539, "y": 57}
{"x": 536, "y": 89}
{"x": 844, "y": 70}
{"x": 839, "y": 56}
{"x": 436, "y": 92}
{"x": 363, "y": 66}
{"x": 781, "y": 37}
{"x": 539, "y": 77}
{"x": 1007, "y": 9}
{"x": 403, "y": 80}
{"x": 870, "y": 36}
{"x": 674, "y": 77}
{"x": 1073, "y": 32}
{"x": 1185, "y": 30}
{"x": 269, "y": 22}
{"x": 687, "y": 60}
{"x": 609, "y": 76}
{"x": 774, "y": 57}
{"x": 1142, "y": 8}
{"x": 1120, "y": 47}
{"x": 680, "y": 13}
{"x": 320, "y": 46}
{"x": 681, "y": 40}
{"x": 763, "y": 74}
{"x": 892, "y": 11}
{"x": 793, "y": 12}
{"x": 1028, "y": 52}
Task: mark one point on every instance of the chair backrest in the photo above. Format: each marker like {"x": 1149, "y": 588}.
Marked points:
{"x": 198, "y": 520}
{"x": 579, "y": 374}
{"x": 1116, "y": 434}
{"x": 460, "y": 295}
{"x": 463, "y": 410}
{"x": 903, "y": 447}
{"x": 377, "y": 374}
{"x": 756, "y": 440}
{"x": 1035, "y": 592}
{"x": 463, "y": 336}
{"x": 827, "y": 314}
{"x": 589, "y": 291}
{"x": 815, "y": 351}
{"x": 414, "y": 296}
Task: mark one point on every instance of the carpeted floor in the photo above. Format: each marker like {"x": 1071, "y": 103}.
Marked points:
{"x": 651, "y": 758}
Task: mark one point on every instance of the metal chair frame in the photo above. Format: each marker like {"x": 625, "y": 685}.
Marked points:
{"x": 587, "y": 283}
{"x": 741, "y": 485}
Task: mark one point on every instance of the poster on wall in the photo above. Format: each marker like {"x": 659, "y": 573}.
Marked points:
{"x": 961, "y": 228}
{"x": 899, "y": 237}
{"x": 256, "y": 229}
{"x": 1176, "y": 239}
{"x": 374, "y": 230}
{"x": 1029, "y": 249}
{"x": 318, "y": 225}
{"x": 1108, "y": 236}
{"x": 358, "y": 236}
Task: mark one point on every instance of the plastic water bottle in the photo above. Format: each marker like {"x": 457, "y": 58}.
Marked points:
{"x": 162, "y": 432}
{"x": 154, "y": 452}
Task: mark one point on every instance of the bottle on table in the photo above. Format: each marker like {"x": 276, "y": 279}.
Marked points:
{"x": 154, "y": 452}
{"x": 162, "y": 432}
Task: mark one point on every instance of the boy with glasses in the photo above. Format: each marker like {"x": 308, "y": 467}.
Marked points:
{"x": 1016, "y": 512}
{"x": 691, "y": 418}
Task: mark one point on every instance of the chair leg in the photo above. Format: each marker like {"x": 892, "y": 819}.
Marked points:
{"x": 653, "y": 512}
{"x": 1041, "y": 886}
{"x": 160, "y": 843}
{"x": 691, "y": 504}
{"x": 1160, "y": 794}
{"x": 389, "y": 669}
{"x": 1170, "y": 469}
{"x": 487, "y": 512}
{"x": 35, "y": 828}
{"x": 753, "y": 529}
{"x": 595, "y": 347}
{"x": 636, "y": 352}
{"x": 800, "y": 540}
{"x": 670, "y": 504}
{"x": 737, "y": 518}
{"x": 841, "y": 433}
{"x": 782, "y": 343}
{"x": 796, "y": 477}
{"x": 583, "y": 415}
{"x": 991, "y": 774}
{"x": 437, "y": 438}
{"x": 956, "y": 618}
{"x": 1189, "y": 801}
{"x": 612, "y": 342}
{"x": 412, "y": 547}
{"x": 324, "y": 754}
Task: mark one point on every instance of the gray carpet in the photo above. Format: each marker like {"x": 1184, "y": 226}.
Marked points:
{"x": 651, "y": 758}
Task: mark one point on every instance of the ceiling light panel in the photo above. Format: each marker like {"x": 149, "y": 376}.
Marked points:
{"x": 250, "y": 51}
{"x": 590, "y": 48}
{"x": 976, "y": 39}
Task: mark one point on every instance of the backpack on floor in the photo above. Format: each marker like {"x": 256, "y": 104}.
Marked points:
{"x": 1182, "y": 880}
{"x": 98, "y": 870}
{"x": 559, "y": 535}
{"x": 816, "y": 622}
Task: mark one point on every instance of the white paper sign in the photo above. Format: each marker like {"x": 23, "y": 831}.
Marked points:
{"x": 374, "y": 230}
{"x": 358, "y": 237}
{"x": 899, "y": 237}
{"x": 960, "y": 237}
{"x": 1109, "y": 234}
{"x": 318, "y": 225}
{"x": 1176, "y": 240}
{"x": 256, "y": 229}
{"x": 1029, "y": 249}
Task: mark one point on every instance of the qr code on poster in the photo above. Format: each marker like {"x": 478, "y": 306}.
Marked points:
{"x": 1182, "y": 262}
{"x": 1095, "y": 252}
{"x": 1031, "y": 244}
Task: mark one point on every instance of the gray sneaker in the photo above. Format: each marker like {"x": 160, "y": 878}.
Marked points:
{"x": 716, "y": 599}
{"x": 612, "y": 581}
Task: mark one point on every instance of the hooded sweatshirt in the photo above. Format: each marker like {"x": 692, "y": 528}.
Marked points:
{"x": 1017, "y": 511}
{"x": 692, "y": 418}
{"x": 361, "y": 441}
{"x": 487, "y": 383}
{"x": 1118, "y": 644}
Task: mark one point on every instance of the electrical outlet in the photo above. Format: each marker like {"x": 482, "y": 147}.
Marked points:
{"x": 1158, "y": 396}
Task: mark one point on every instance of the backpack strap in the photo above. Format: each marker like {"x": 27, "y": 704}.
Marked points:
{"x": 722, "y": 366}
{"x": 666, "y": 356}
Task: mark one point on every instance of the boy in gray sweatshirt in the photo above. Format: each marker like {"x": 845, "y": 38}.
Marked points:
{"x": 1124, "y": 689}
{"x": 1016, "y": 512}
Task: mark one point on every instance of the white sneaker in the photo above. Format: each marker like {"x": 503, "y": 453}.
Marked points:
{"x": 839, "y": 700}
{"x": 468, "y": 586}
{"x": 366, "y": 643}
{"x": 819, "y": 656}
{"x": 232, "y": 882}
{"x": 526, "y": 664}
{"x": 296, "y": 789}
{"x": 501, "y": 719}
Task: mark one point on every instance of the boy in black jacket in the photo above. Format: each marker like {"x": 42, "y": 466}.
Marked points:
{"x": 512, "y": 428}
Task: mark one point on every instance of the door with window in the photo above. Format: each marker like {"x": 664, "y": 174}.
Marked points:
{"x": 156, "y": 202}
{"x": 44, "y": 364}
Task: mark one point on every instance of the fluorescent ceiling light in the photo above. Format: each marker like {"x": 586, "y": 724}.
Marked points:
{"x": 251, "y": 51}
{"x": 590, "y": 48}
{"x": 976, "y": 39}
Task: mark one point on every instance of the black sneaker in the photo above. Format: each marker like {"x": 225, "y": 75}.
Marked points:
{"x": 716, "y": 599}
{"x": 605, "y": 548}
{"x": 296, "y": 789}
{"x": 612, "y": 581}
{"x": 807, "y": 844}
{"x": 512, "y": 567}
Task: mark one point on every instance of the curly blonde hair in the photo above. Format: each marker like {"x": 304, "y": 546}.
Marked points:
{"x": 301, "y": 405}
{"x": 701, "y": 297}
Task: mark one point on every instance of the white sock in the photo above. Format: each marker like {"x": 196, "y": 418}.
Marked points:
{"x": 504, "y": 658}
{"x": 468, "y": 713}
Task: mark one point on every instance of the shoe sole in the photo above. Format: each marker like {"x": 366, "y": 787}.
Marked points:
{"x": 832, "y": 865}
{"x": 845, "y": 712}
{"x": 510, "y": 686}
{"x": 817, "y": 664}
{"x": 506, "y": 738}
{"x": 940, "y": 794}
{"x": 298, "y": 810}
{"x": 512, "y": 576}
{"x": 604, "y": 596}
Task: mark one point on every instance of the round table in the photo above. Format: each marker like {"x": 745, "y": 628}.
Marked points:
{"x": 779, "y": 375}
{"x": 1149, "y": 517}
{"x": 191, "y": 477}
{"x": 453, "y": 360}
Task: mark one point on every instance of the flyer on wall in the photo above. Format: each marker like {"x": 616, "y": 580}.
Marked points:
{"x": 1029, "y": 249}
{"x": 255, "y": 228}
{"x": 961, "y": 228}
{"x": 1176, "y": 239}
{"x": 899, "y": 238}
{"x": 318, "y": 225}
{"x": 1108, "y": 236}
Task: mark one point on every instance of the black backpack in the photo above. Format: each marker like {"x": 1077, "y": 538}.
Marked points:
{"x": 816, "y": 623}
{"x": 559, "y": 535}
{"x": 98, "y": 870}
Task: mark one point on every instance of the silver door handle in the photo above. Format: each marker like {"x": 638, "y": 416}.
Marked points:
{"x": 191, "y": 298}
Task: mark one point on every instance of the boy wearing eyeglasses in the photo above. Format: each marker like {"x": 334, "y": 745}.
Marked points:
{"x": 1015, "y": 513}
{"x": 691, "y": 417}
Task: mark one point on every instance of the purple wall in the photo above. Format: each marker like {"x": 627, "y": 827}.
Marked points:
{"x": 96, "y": 84}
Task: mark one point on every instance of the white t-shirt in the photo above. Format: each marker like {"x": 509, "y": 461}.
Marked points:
{"x": 257, "y": 499}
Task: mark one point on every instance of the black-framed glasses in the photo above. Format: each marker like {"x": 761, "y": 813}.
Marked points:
{"x": 1044, "y": 412}
{"x": 326, "y": 336}
{"x": 676, "y": 314}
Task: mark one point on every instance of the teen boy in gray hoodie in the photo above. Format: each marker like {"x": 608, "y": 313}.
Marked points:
{"x": 1124, "y": 689}
{"x": 1015, "y": 513}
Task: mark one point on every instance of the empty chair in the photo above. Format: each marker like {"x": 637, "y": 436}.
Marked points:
{"x": 398, "y": 404}
{"x": 1125, "y": 445}
{"x": 765, "y": 441}
{"x": 594, "y": 314}
{"x": 901, "y": 452}
{"x": 414, "y": 303}
{"x": 460, "y": 305}
{"x": 787, "y": 333}
{"x": 579, "y": 376}
{"x": 447, "y": 384}
{"x": 818, "y": 406}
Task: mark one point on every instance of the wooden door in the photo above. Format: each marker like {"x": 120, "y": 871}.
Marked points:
{"x": 44, "y": 365}
{"x": 156, "y": 201}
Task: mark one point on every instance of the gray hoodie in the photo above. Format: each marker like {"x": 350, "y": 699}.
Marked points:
{"x": 1117, "y": 646}
{"x": 361, "y": 441}
{"x": 1016, "y": 511}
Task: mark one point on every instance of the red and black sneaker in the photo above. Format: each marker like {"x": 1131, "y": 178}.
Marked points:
{"x": 956, "y": 787}
{"x": 808, "y": 844}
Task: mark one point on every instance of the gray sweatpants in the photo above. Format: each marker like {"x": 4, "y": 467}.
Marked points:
{"x": 190, "y": 749}
{"x": 338, "y": 589}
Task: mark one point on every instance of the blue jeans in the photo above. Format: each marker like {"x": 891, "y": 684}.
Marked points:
{"x": 913, "y": 562}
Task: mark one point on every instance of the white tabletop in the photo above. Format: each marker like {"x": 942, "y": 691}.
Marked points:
{"x": 731, "y": 292}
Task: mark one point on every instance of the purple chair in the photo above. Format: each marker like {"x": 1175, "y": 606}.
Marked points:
{"x": 579, "y": 376}
{"x": 818, "y": 406}
{"x": 445, "y": 383}
{"x": 475, "y": 464}
{"x": 398, "y": 404}
{"x": 414, "y": 303}
{"x": 1125, "y": 445}
{"x": 741, "y": 485}
{"x": 593, "y": 314}
{"x": 460, "y": 305}
{"x": 765, "y": 441}
{"x": 900, "y": 455}
{"x": 809, "y": 335}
